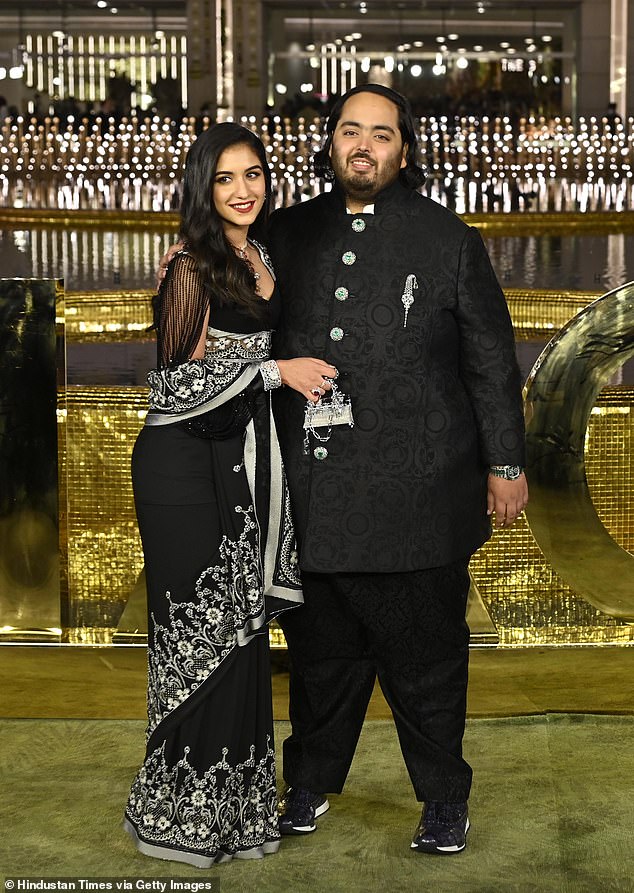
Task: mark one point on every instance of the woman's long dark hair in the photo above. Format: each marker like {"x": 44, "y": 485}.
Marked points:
{"x": 225, "y": 275}
{"x": 413, "y": 175}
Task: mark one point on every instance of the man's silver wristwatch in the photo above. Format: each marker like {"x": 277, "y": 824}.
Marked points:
{"x": 508, "y": 472}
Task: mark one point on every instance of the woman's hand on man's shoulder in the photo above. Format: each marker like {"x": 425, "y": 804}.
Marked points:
{"x": 165, "y": 262}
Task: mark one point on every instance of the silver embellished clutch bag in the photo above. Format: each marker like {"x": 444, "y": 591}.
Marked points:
{"x": 327, "y": 412}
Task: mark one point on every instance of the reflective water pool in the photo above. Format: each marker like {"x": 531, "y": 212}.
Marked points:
{"x": 98, "y": 260}
{"x": 93, "y": 260}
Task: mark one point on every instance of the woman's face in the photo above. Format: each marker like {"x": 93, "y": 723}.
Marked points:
{"x": 239, "y": 186}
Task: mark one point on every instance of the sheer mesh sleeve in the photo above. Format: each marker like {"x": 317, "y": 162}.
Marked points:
{"x": 181, "y": 311}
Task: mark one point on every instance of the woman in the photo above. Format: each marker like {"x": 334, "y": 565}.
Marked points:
{"x": 213, "y": 513}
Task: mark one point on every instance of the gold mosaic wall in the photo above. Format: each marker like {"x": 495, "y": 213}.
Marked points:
{"x": 98, "y": 317}
{"x": 104, "y": 549}
{"x": 609, "y": 452}
{"x": 528, "y": 602}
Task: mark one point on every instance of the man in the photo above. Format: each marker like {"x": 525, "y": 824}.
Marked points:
{"x": 392, "y": 489}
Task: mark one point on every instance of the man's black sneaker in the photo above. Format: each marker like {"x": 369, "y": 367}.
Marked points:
{"x": 299, "y": 809}
{"x": 442, "y": 828}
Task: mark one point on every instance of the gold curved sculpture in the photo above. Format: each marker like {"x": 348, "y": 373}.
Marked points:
{"x": 560, "y": 393}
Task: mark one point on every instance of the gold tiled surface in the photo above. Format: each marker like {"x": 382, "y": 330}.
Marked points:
{"x": 104, "y": 549}
{"x": 529, "y": 603}
{"x": 107, "y": 316}
{"x": 125, "y": 316}
{"x": 539, "y": 313}
{"x": 609, "y": 453}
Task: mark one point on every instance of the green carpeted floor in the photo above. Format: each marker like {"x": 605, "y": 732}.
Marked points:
{"x": 110, "y": 683}
{"x": 552, "y": 810}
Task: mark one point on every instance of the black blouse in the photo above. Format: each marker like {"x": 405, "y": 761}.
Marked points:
{"x": 182, "y": 305}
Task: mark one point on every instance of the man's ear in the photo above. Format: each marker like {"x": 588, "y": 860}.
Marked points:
{"x": 404, "y": 156}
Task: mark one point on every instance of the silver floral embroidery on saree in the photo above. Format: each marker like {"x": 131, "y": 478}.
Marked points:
{"x": 227, "y": 604}
{"x": 232, "y": 805}
{"x": 229, "y": 807}
{"x": 197, "y": 382}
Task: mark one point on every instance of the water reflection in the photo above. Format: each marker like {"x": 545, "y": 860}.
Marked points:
{"x": 87, "y": 260}
{"x": 592, "y": 263}
{"x": 96, "y": 260}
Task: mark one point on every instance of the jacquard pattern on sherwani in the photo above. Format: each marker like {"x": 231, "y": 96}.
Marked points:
{"x": 436, "y": 396}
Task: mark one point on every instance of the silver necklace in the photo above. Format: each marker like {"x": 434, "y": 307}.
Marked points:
{"x": 242, "y": 253}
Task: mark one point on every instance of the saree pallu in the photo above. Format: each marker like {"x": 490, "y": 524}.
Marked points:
{"x": 220, "y": 562}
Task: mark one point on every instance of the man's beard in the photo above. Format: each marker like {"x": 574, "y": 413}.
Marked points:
{"x": 364, "y": 186}
{"x": 360, "y": 186}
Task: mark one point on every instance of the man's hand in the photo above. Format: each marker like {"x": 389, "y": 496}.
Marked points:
{"x": 164, "y": 262}
{"x": 507, "y": 499}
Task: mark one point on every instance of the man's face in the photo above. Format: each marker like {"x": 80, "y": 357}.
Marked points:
{"x": 367, "y": 150}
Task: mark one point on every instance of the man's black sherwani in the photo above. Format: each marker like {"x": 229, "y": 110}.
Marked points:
{"x": 436, "y": 391}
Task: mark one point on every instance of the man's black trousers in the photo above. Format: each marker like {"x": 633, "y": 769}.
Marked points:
{"x": 410, "y": 630}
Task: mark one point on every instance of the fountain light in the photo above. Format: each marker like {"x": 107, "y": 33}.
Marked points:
{"x": 137, "y": 163}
